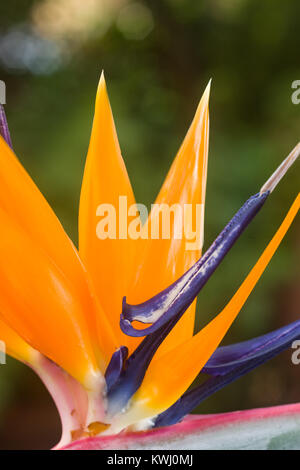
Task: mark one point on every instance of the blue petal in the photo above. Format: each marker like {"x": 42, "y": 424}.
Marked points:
{"x": 227, "y": 364}
{"x": 4, "y": 131}
{"x": 135, "y": 368}
{"x": 115, "y": 367}
{"x": 227, "y": 358}
{"x": 177, "y": 298}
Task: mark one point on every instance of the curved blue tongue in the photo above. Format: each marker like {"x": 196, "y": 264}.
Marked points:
{"x": 167, "y": 304}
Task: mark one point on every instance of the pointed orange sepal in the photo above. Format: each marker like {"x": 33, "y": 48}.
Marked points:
{"x": 21, "y": 200}
{"x": 109, "y": 261}
{"x": 161, "y": 261}
{"x": 42, "y": 306}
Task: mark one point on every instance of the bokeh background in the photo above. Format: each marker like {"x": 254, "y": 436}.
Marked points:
{"x": 158, "y": 56}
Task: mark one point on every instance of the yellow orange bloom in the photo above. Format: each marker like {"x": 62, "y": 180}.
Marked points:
{"x": 60, "y": 307}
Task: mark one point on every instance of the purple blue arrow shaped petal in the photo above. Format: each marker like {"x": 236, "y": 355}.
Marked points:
{"x": 115, "y": 366}
{"x": 175, "y": 299}
{"x": 227, "y": 364}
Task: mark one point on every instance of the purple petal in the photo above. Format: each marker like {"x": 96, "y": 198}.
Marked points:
{"x": 227, "y": 358}
{"x": 177, "y": 298}
{"x": 4, "y": 131}
{"x": 135, "y": 368}
{"x": 228, "y": 363}
{"x": 115, "y": 366}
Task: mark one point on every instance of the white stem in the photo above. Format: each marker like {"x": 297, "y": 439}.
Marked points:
{"x": 281, "y": 170}
{"x": 96, "y": 405}
{"x": 69, "y": 396}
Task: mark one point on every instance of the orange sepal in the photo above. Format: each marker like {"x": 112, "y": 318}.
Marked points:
{"x": 109, "y": 261}
{"x": 42, "y": 305}
{"x": 23, "y": 202}
{"x": 161, "y": 261}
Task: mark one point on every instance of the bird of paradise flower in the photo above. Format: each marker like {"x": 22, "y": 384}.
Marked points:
{"x": 60, "y": 308}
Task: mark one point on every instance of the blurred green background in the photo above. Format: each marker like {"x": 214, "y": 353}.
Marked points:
{"x": 158, "y": 56}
